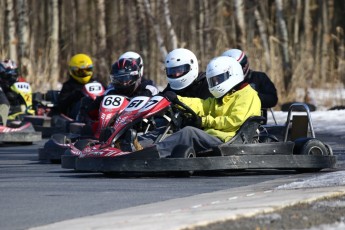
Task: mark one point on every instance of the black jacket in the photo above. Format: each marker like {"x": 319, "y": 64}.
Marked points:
{"x": 70, "y": 94}
{"x": 267, "y": 92}
{"x": 198, "y": 89}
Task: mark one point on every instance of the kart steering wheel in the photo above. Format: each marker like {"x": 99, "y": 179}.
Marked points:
{"x": 186, "y": 111}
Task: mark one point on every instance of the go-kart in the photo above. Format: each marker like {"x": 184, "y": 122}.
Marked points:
{"x": 143, "y": 115}
{"x": 15, "y": 131}
{"x": 290, "y": 146}
{"x": 19, "y": 132}
{"x": 48, "y": 120}
{"x": 56, "y": 146}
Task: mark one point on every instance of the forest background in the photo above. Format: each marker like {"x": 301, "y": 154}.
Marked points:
{"x": 298, "y": 43}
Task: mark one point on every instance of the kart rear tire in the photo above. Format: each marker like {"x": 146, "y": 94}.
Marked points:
{"x": 183, "y": 151}
{"x": 313, "y": 147}
{"x": 310, "y": 146}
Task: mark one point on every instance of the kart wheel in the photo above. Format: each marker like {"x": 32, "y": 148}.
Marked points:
{"x": 311, "y": 146}
{"x": 183, "y": 151}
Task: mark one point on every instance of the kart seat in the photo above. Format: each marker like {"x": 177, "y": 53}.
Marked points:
{"x": 245, "y": 135}
{"x": 248, "y": 131}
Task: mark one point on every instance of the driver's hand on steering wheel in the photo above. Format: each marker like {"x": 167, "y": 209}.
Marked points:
{"x": 171, "y": 96}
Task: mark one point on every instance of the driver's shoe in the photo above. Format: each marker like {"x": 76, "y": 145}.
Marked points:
{"x": 130, "y": 141}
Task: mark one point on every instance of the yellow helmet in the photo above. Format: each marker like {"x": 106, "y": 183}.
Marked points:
{"x": 80, "y": 68}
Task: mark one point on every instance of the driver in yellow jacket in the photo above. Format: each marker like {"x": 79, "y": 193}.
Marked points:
{"x": 220, "y": 116}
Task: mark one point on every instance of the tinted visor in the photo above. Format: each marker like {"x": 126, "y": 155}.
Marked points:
{"x": 218, "y": 79}
{"x": 178, "y": 71}
{"x": 82, "y": 72}
{"x": 125, "y": 79}
{"x": 11, "y": 72}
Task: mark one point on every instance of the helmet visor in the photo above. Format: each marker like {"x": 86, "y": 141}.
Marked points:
{"x": 11, "y": 73}
{"x": 125, "y": 79}
{"x": 82, "y": 72}
{"x": 218, "y": 79}
{"x": 178, "y": 71}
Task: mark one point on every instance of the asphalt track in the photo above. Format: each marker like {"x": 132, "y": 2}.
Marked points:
{"x": 34, "y": 195}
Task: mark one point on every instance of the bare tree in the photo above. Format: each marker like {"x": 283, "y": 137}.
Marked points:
{"x": 156, "y": 28}
{"x": 296, "y": 42}
{"x": 285, "y": 43}
{"x": 263, "y": 34}
{"x": 171, "y": 31}
{"x": 2, "y": 27}
{"x": 12, "y": 36}
{"x": 239, "y": 6}
{"x": 103, "y": 69}
{"x": 53, "y": 44}
{"x": 23, "y": 34}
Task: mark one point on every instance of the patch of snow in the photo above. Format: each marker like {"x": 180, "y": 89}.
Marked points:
{"x": 324, "y": 180}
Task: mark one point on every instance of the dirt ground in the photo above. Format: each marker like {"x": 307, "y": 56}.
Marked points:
{"x": 324, "y": 214}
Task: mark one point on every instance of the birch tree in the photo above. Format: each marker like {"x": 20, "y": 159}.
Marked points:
{"x": 12, "y": 36}
{"x": 54, "y": 44}
{"x": 23, "y": 34}
{"x": 103, "y": 70}
{"x": 285, "y": 43}
{"x": 239, "y": 13}
{"x": 263, "y": 35}
{"x": 2, "y": 27}
{"x": 171, "y": 31}
{"x": 156, "y": 27}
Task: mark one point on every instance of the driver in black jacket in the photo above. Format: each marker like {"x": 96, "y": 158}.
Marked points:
{"x": 182, "y": 71}
{"x": 259, "y": 81}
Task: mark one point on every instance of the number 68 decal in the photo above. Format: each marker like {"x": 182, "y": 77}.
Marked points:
{"x": 112, "y": 101}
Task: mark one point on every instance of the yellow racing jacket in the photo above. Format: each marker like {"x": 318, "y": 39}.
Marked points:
{"x": 223, "y": 118}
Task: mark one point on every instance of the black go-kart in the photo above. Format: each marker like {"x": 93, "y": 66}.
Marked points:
{"x": 289, "y": 146}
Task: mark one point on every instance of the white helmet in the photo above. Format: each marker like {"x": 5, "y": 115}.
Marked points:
{"x": 181, "y": 68}
{"x": 241, "y": 57}
{"x": 134, "y": 56}
{"x": 222, "y": 74}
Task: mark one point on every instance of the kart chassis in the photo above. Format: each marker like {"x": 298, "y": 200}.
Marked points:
{"x": 291, "y": 146}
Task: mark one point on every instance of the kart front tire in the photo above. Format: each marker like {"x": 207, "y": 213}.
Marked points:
{"x": 183, "y": 151}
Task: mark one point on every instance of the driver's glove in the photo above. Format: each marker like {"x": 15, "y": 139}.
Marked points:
{"x": 171, "y": 96}
{"x": 193, "y": 121}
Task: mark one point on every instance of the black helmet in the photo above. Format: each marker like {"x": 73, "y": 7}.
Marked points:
{"x": 8, "y": 72}
{"x": 125, "y": 76}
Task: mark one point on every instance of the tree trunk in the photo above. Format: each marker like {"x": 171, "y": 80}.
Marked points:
{"x": 171, "y": 31}
{"x": 239, "y": 13}
{"x": 23, "y": 32}
{"x": 54, "y": 44}
{"x": 263, "y": 35}
{"x": 2, "y": 26}
{"x": 103, "y": 69}
{"x": 156, "y": 27}
{"x": 285, "y": 44}
{"x": 12, "y": 36}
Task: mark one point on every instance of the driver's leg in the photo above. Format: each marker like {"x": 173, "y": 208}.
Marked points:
{"x": 189, "y": 136}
